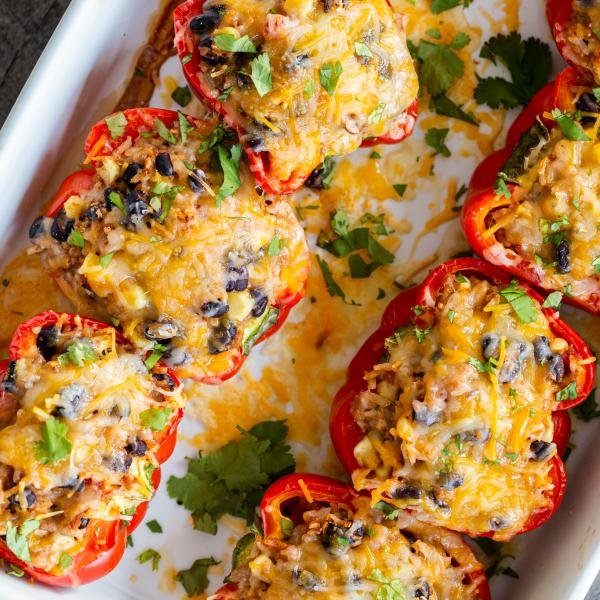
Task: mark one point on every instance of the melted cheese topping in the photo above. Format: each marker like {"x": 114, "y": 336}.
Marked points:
{"x": 553, "y": 216}
{"x": 106, "y": 473}
{"x": 458, "y": 418}
{"x": 301, "y": 121}
{"x": 205, "y": 280}
{"x": 582, "y": 45}
{"x": 337, "y": 555}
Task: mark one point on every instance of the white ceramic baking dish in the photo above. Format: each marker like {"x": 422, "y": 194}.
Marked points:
{"x": 76, "y": 82}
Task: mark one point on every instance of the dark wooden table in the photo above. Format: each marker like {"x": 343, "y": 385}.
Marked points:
{"x": 25, "y": 28}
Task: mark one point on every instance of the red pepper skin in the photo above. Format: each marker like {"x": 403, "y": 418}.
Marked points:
{"x": 100, "y": 143}
{"x": 323, "y": 490}
{"x": 259, "y": 161}
{"x": 346, "y": 433}
{"x": 481, "y": 196}
{"x": 107, "y": 539}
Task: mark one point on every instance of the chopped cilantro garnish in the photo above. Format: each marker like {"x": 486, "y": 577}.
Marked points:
{"x": 439, "y": 6}
{"x": 389, "y": 510}
{"x": 309, "y": 88}
{"x": 513, "y": 393}
{"x": 261, "y": 74}
{"x": 232, "y": 479}
{"x": 436, "y": 139}
{"x": 231, "y": 43}
{"x": 569, "y": 127}
{"x": 361, "y": 49}
{"x": 17, "y": 538}
{"x": 529, "y": 63}
{"x": 129, "y": 542}
{"x": 184, "y": 126}
{"x": 451, "y": 314}
{"x": 157, "y": 351}
{"x": 434, "y": 33}
{"x": 195, "y": 579}
{"x": 154, "y": 526}
{"x": 14, "y": 570}
{"x": 287, "y": 526}
{"x": 596, "y": 264}
{"x": 230, "y": 165}
{"x": 76, "y": 239}
{"x": 377, "y": 114}
{"x": 340, "y": 222}
{"x": 106, "y": 259}
{"x": 390, "y": 589}
{"x": 553, "y": 300}
{"x": 116, "y": 124}
{"x": 374, "y": 154}
{"x": 567, "y": 393}
{"x": 77, "y": 353}
{"x": 439, "y": 65}
{"x": 329, "y": 74}
{"x": 252, "y": 335}
{"x": 443, "y": 105}
{"x": 482, "y": 367}
{"x": 225, "y": 94}
{"x": 155, "y": 419}
{"x": 182, "y": 95}
{"x": 116, "y": 199}
{"x": 186, "y": 59}
{"x": 276, "y": 246}
{"x": 164, "y": 132}
{"x": 150, "y": 554}
{"x": 400, "y": 188}
{"x": 421, "y": 334}
{"x": 332, "y": 287}
{"x": 512, "y": 456}
{"x": 54, "y": 445}
{"x": 553, "y": 230}
{"x": 65, "y": 561}
{"x": 460, "y": 278}
{"x": 501, "y": 188}
{"x": 521, "y": 303}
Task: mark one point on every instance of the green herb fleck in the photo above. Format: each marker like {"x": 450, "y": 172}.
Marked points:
{"x": 521, "y": 303}
{"x": 157, "y": 351}
{"x": 182, "y": 95}
{"x": 569, "y": 127}
{"x": 567, "y": 393}
{"x": 150, "y": 555}
{"x": 329, "y": 75}
{"x": 195, "y": 579}
{"x": 230, "y": 164}
{"x": 154, "y": 526}
{"x": 553, "y": 300}
{"x": 261, "y": 74}
{"x": 116, "y": 124}
{"x": 76, "y": 239}
{"x": 231, "y": 43}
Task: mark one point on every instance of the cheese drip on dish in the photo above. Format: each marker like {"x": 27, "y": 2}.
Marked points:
{"x": 78, "y": 443}
{"x": 457, "y": 417}
{"x": 150, "y": 246}
{"x": 313, "y": 78}
{"x": 336, "y": 554}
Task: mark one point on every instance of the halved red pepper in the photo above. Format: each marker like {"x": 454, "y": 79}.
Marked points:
{"x": 345, "y": 431}
{"x": 259, "y": 161}
{"x": 105, "y": 540}
{"x": 482, "y": 199}
{"x": 100, "y": 143}
{"x": 292, "y": 494}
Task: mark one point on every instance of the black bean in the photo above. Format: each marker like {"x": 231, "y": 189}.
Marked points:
{"x": 261, "y": 301}
{"x": 93, "y": 213}
{"x": 436, "y": 355}
{"x": 222, "y": 337}
{"x": 541, "y": 349}
{"x": 137, "y": 447}
{"x": 406, "y": 492}
{"x": 292, "y": 62}
{"x": 541, "y": 450}
{"x": 164, "y": 165}
{"x": 316, "y": 179}
{"x": 255, "y": 142}
{"x": 338, "y": 537}
{"x": 165, "y": 379}
{"x": 490, "y": 345}
{"x": 307, "y": 580}
{"x": 61, "y": 226}
{"x": 120, "y": 462}
{"x": 214, "y": 308}
{"x": 498, "y": 523}
{"x": 46, "y": 341}
{"x": 556, "y": 367}
{"x": 74, "y": 483}
{"x": 243, "y": 80}
{"x": 72, "y": 399}
{"x": 587, "y": 103}
{"x": 130, "y": 172}
{"x": 37, "y": 228}
{"x": 212, "y": 59}
{"x": 561, "y": 255}
{"x": 437, "y": 501}
{"x": 237, "y": 278}
{"x": 423, "y": 414}
{"x": 450, "y": 481}
{"x": 422, "y": 590}
{"x": 163, "y": 330}
{"x": 83, "y": 523}
{"x": 8, "y": 384}
{"x": 175, "y": 357}
{"x": 195, "y": 180}
{"x": 476, "y": 436}
{"x": 205, "y": 23}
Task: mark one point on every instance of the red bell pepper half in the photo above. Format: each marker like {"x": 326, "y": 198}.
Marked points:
{"x": 346, "y": 433}
{"x": 105, "y": 540}
{"x": 99, "y": 143}
{"x": 291, "y": 495}
{"x": 482, "y": 199}
{"x": 259, "y": 161}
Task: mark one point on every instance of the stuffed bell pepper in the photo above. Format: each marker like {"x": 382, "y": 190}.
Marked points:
{"x": 575, "y": 25}
{"x": 323, "y": 540}
{"x": 300, "y": 80}
{"x": 182, "y": 253}
{"x": 533, "y": 207}
{"x": 455, "y": 407}
{"x": 85, "y": 424}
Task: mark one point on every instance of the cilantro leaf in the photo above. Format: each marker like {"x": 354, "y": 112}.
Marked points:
{"x": 482, "y": 367}
{"x": 553, "y": 300}
{"x": 596, "y": 264}
{"x": 116, "y": 124}
{"x": 569, "y": 127}
{"x": 340, "y": 223}
{"x": 54, "y": 446}
{"x": 182, "y": 96}
{"x": 529, "y": 63}
{"x": 251, "y": 336}
{"x": 157, "y": 351}
{"x": 439, "y": 6}
{"x": 275, "y": 246}
{"x": 436, "y": 139}
{"x": 231, "y": 43}
{"x": 261, "y": 74}
{"x": 361, "y": 49}
{"x": 439, "y": 66}
{"x": 150, "y": 554}
{"x": 154, "y": 526}
{"x": 521, "y": 302}
{"x": 76, "y": 239}
{"x": 332, "y": 287}
{"x": 16, "y": 538}
{"x": 329, "y": 75}
{"x": 106, "y": 259}
{"x": 155, "y": 418}
{"x": 184, "y": 126}
{"x": 77, "y": 353}
{"x": 65, "y": 561}
{"x": 445, "y": 106}
{"x": 390, "y": 589}
{"x": 400, "y": 188}
{"x": 116, "y": 199}
{"x": 164, "y": 132}
{"x": 569, "y": 392}
{"x": 232, "y": 479}
{"x": 195, "y": 579}
{"x": 588, "y": 409}
{"x": 230, "y": 164}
